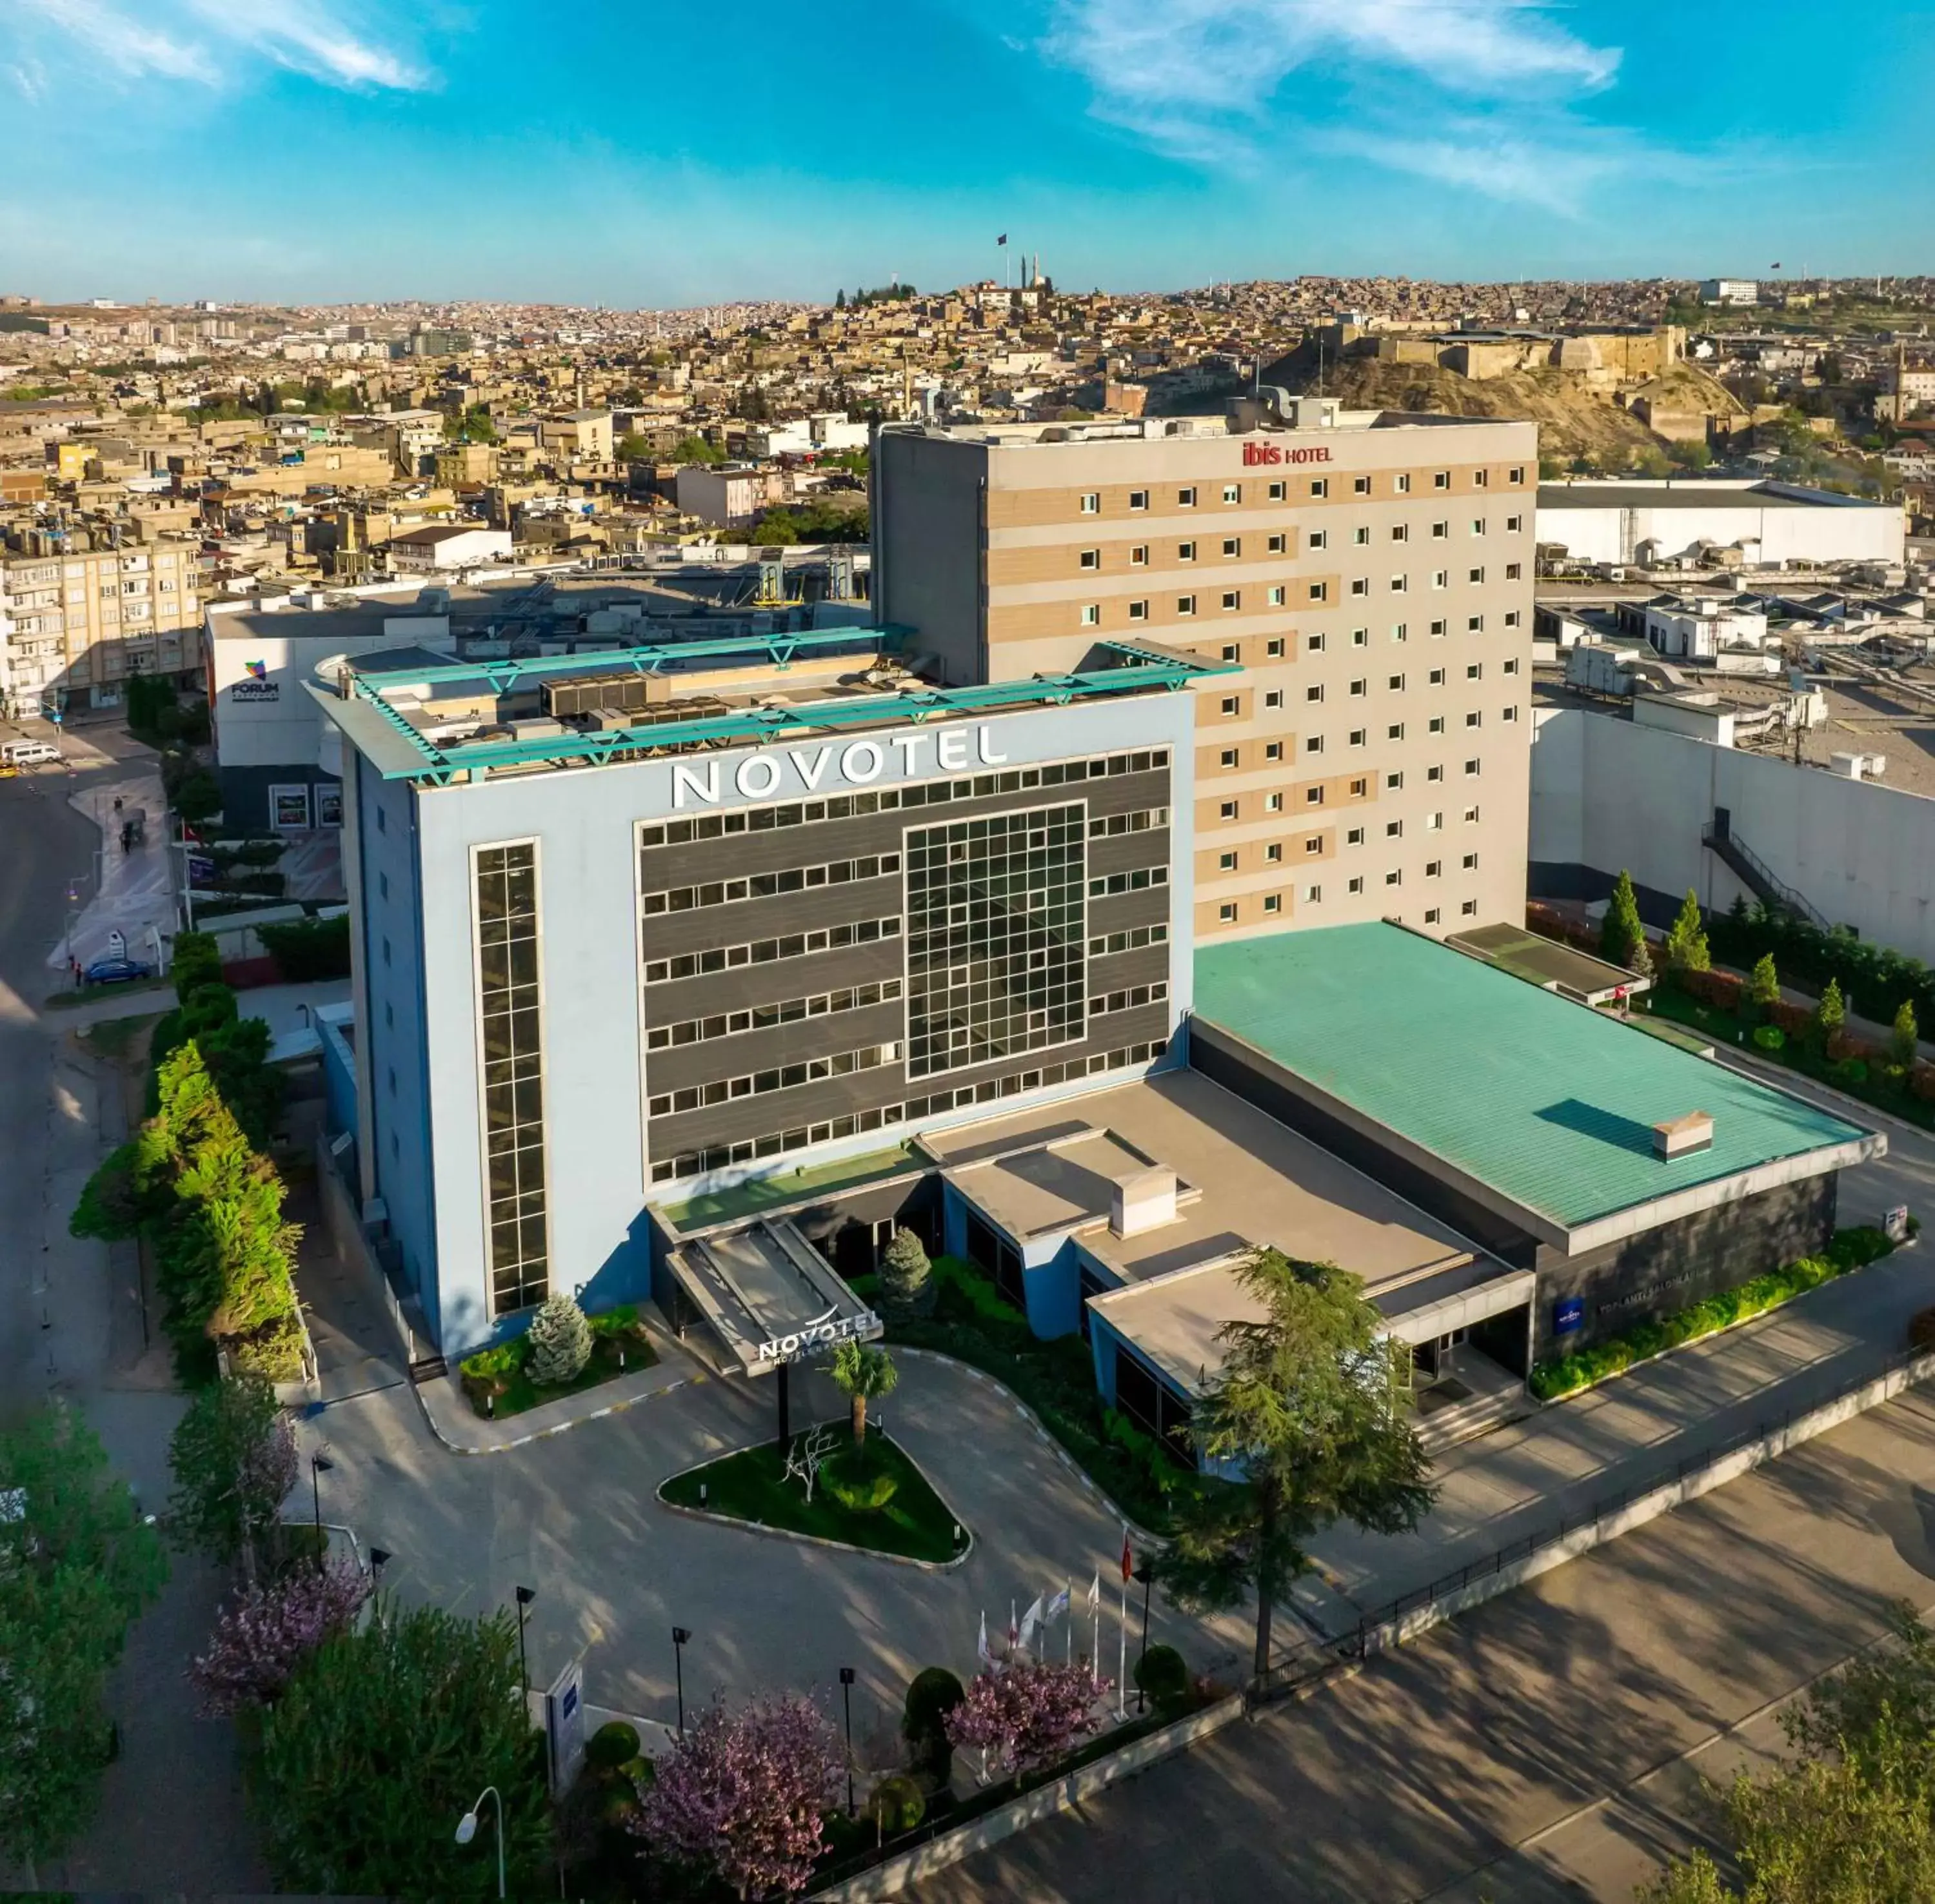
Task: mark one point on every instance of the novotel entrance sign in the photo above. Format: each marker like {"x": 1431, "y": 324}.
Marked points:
{"x": 1258, "y": 455}
{"x": 773, "y": 771}
{"x": 830, "y": 1327}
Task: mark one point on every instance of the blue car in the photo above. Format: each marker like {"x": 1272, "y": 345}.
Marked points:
{"x": 116, "y": 971}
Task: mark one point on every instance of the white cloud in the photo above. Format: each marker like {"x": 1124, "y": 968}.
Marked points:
{"x": 208, "y": 42}
{"x": 1196, "y": 79}
{"x": 1556, "y": 175}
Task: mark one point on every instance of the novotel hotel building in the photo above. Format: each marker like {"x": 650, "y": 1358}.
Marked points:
{"x": 633, "y": 928}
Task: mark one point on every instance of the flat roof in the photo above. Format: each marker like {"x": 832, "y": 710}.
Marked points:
{"x": 1692, "y": 494}
{"x": 1255, "y": 1181}
{"x": 1542, "y": 961}
{"x": 1548, "y": 1104}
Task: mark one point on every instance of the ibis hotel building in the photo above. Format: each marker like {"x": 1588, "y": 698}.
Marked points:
{"x": 1147, "y": 886}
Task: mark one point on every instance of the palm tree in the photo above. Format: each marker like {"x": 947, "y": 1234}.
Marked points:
{"x": 862, "y": 1371}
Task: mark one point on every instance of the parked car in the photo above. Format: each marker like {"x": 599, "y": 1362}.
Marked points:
{"x": 116, "y": 971}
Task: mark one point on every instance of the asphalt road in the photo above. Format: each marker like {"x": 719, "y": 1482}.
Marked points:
{"x": 1550, "y": 1746}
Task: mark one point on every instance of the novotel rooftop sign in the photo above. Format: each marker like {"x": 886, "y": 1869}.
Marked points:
{"x": 1261, "y": 455}
{"x": 819, "y": 1334}
{"x": 816, "y": 765}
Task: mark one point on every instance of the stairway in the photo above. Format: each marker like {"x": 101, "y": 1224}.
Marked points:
{"x": 1754, "y": 873}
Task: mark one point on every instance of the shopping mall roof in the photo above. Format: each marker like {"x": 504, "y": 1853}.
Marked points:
{"x": 1544, "y": 1109}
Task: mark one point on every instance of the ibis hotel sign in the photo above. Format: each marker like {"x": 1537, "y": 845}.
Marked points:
{"x": 1259, "y": 456}
{"x": 778, "y": 773}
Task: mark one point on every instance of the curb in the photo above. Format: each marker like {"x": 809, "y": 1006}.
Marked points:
{"x": 814, "y": 1540}
{"x": 557, "y": 1428}
{"x": 1041, "y": 1434}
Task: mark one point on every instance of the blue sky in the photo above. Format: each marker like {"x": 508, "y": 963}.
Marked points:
{"x": 659, "y": 153}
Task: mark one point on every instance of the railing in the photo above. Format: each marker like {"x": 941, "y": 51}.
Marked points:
{"x": 1308, "y": 1661}
{"x": 1768, "y": 886}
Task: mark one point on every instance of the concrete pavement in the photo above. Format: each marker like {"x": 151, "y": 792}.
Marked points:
{"x": 1548, "y": 1746}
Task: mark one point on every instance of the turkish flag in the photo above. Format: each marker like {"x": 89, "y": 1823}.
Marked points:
{"x": 1128, "y": 1559}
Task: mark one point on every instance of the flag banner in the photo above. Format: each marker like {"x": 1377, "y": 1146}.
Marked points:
{"x": 1014, "y": 1629}
{"x": 1057, "y": 1605}
{"x": 1095, "y": 1592}
{"x": 1030, "y": 1620}
{"x": 1128, "y": 1558}
{"x": 982, "y": 1651}
{"x": 1003, "y": 239}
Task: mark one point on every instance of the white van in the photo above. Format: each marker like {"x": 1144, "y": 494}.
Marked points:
{"x": 28, "y": 753}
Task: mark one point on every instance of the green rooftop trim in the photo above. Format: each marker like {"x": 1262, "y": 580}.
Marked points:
{"x": 765, "y": 1193}
{"x": 1548, "y": 1103}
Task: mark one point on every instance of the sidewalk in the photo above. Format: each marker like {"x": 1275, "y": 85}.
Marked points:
{"x": 1527, "y": 1478}
{"x": 132, "y": 892}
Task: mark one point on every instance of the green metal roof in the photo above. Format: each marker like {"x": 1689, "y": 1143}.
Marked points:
{"x": 1551, "y": 1103}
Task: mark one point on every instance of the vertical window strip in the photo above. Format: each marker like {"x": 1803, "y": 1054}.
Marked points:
{"x": 513, "y": 1049}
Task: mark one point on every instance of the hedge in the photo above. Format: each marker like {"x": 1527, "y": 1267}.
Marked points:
{"x": 1879, "y": 977}
{"x": 307, "y": 950}
{"x": 1850, "y": 1249}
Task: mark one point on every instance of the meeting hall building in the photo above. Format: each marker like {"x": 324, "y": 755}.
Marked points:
{"x": 684, "y": 973}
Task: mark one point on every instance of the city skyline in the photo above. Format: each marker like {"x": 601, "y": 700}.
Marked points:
{"x": 356, "y": 152}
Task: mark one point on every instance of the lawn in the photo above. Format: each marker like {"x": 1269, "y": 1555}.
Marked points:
{"x": 914, "y": 1524}
{"x": 496, "y": 1382}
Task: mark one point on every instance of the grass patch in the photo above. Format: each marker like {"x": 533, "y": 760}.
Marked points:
{"x": 61, "y": 1001}
{"x": 113, "y": 1038}
{"x": 1724, "y": 1028}
{"x": 1851, "y": 1249}
{"x": 769, "y": 1193}
{"x": 751, "y": 1485}
{"x": 498, "y": 1383}
{"x": 972, "y": 1322}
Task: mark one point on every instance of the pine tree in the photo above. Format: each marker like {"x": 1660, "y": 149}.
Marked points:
{"x": 1829, "y": 1015}
{"x": 907, "y": 1277}
{"x": 1761, "y": 992}
{"x": 1686, "y": 943}
{"x": 1622, "y": 933}
{"x": 1904, "y": 1043}
{"x": 561, "y": 1340}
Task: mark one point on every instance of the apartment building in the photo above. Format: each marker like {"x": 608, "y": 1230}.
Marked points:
{"x": 74, "y": 624}
{"x": 1370, "y": 573}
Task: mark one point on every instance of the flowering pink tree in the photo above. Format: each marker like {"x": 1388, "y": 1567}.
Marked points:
{"x": 744, "y": 1793}
{"x": 1026, "y": 1716}
{"x": 265, "y": 1632}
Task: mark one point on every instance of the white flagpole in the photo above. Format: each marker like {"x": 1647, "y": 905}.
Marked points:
{"x": 1122, "y": 1660}
{"x": 1068, "y": 1654}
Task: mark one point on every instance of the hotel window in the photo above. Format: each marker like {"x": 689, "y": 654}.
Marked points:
{"x": 1319, "y": 486}
{"x": 1276, "y": 492}
{"x": 1359, "y": 789}
{"x": 1516, "y": 475}
{"x": 1394, "y": 782}
{"x": 1435, "y": 773}
{"x": 1317, "y": 538}
{"x": 1314, "y": 843}
{"x": 1272, "y": 903}
{"x": 1357, "y": 884}
{"x": 1469, "y": 908}
{"x": 1232, "y": 492}
{"x": 1272, "y": 750}
{"x": 1186, "y": 499}
{"x": 1476, "y": 575}
{"x": 1400, "y": 584}
{"x": 1511, "y": 666}
{"x": 1394, "y": 732}
{"x": 1508, "y": 714}
{"x": 1440, "y": 578}
{"x": 1273, "y": 697}
{"x": 1430, "y": 915}
{"x": 1396, "y": 683}
{"x": 1185, "y": 604}
{"x": 1437, "y": 677}
{"x": 1474, "y": 719}
{"x": 1394, "y": 877}
{"x": 1227, "y": 757}
{"x": 1313, "y": 743}
{"x": 1437, "y": 724}
{"x": 1511, "y": 618}
{"x": 1313, "y": 796}
{"x": 1226, "y": 912}
{"x": 1138, "y": 499}
{"x": 1139, "y": 611}
{"x": 1474, "y": 624}
{"x": 1433, "y": 868}
{"x": 1091, "y": 558}
{"x": 1481, "y": 478}
{"x": 1475, "y": 671}
{"x": 1360, "y": 485}
{"x": 509, "y": 990}
{"x": 1402, "y": 485}
{"x": 1360, "y": 736}
{"x": 1514, "y": 524}
{"x": 1233, "y": 545}
{"x": 1438, "y": 628}
{"x": 1355, "y": 837}
{"x": 1393, "y": 829}
{"x": 1439, "y": 530}
{"x": 1471, "y": 862}
{"x": 1400, "y": 630}
{"x": 1401, "y": 533}
{"x": 1360, "y": 538}
{"x": 1275, "y": 598}
{"x": 1360, "y": 638}
{"x": 990, "y": 980}
{"x": 1314, "y": 644}
{"x": 1232, "y": 598}
{"x": 1434, "y": 823}
{"x": 1477, "y": 525}
{"x": 1277, "y": 544}
{"x": 1185, "y": 551}
{"x": 1313, "y": 896}
{"x": 1091, "y": 614}
{"x": 1472, "y": 768}
{"x": 1514, "y": 571}
{"x": 1360, "y": 687}
{"x": 1315, "y": 692}
{"x": 1442, "y": 480}
{"x": 1273, "y": 802}
{"x": 1227, "y": 811}
{"x": 1230, "y": 704}
{"x": 1471, "y": 815}
{"x": 1226, "y": 862}
{"x": 1361, "y": 586}
{"x": 1139, "y": 556}
{"x": 1091, "y": 503}
{"x": 1320, "y": 591}
{"x": 1273, "y": 854}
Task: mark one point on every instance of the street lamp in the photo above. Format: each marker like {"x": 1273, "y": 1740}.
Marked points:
{"x": 681, "y": 1638}
{"x": 1145, "y": 1571}
{"x": 525, "y": 1595}
{"x": 318, "y": 1465}
{"x": 467, "y": 1828}
{"x": 846, "y": 1694}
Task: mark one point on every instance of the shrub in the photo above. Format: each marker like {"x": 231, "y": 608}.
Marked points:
{"x": 496, "y": 1364}
{"x": 896, "y": 1804}
{"x": 1769, "y": 1037}
{"x": 1829, "y": 1015}
{"x": 560, "y": 1341}
{"x": 613, "y": 1745}
{"x": 857, "y": 1490}
{"x": 1904, "y": 1040}
{"x": 932, "y": 1695}
{"x": 1026, "y": 1717}
{"x": 620, "y": 1321}
{"x": 268, "y": 1629}
{"x": 907, "y": 1286}
{"x": 197, "y": 962}
{"x": 1850, "y": 1072}
{"x": 309, "y": 949}
{"x": 1686, "y": 948}
{"x": 234, "y": 1458}
{"x": 1161, "y": 1674}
